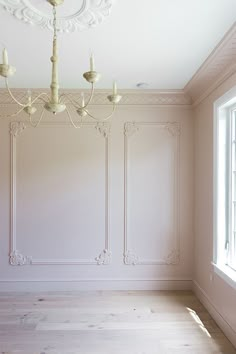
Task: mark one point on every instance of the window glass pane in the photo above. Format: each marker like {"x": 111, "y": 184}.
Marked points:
{"x": 232, "y": 236}
{"x": 221, "y": 190}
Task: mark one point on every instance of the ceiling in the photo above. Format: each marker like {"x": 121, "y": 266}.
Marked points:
{"x": 158, "y": 42}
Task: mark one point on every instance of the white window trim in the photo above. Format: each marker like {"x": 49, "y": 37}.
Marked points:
{"x": 220, "y": 268}
{"x": 226, "y": 273}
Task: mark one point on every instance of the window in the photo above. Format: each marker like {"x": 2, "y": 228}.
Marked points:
{"x": 225, "y": 186}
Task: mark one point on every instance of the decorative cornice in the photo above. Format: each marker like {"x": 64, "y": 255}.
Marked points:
{"x": 155, "y": 97}
{"x": 16, "y": 128}
{"x": 104, "y": 258}
{"x": 130, "y": 258}
{"x": 17, "y": 259}
{"x": 129, "y": 97}
{"x": 104, "y": 129}
{"x": 219, "y": 66}
{"x": 88, "y": 14}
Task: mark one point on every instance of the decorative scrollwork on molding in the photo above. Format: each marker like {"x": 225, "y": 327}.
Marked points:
{"x": 88, "y": 13}
{"x": 173, "y": 128}
{"x": 130, "y": 128}
{"x": 173, "y": 257}
{"x": 17, "y": 259}
{"x": 104, "y": 258}
{"x": 17, "y": 128}
{"x": 130, "y": 258}
{"x": 104, "y": 129}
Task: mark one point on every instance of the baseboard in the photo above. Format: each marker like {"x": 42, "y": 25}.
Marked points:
{"x": 218, "y": 317}
{"x": 94, "y": 284}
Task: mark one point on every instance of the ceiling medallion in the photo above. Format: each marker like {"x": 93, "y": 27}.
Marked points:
{"x": 83, "y": 13}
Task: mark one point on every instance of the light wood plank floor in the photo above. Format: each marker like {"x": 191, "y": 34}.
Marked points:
{"x": 133, "y": 322}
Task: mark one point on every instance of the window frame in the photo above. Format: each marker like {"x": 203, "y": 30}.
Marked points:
{"x": 225, "y": 110}
{"x": 232, "y": 186}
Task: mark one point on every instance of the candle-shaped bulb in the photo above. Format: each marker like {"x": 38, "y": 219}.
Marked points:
{"x": 4, "y": 57}
{"x": 82, "y": 99}
{"x": 114, "y": 88}
{"x": 91, "y": 62}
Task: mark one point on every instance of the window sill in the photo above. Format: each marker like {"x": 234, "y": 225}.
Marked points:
{"x": 226, "y": 273}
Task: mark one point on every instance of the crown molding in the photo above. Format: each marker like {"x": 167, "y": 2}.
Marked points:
{"x": 218, "y": 67}
{"x": 88, "y": 13}
{"x": 129, "y": 97}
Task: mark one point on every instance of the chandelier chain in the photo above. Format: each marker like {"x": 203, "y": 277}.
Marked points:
{"x": 54, "y": 22}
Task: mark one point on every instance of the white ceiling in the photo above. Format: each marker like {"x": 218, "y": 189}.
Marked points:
{"x": 158, "y": 42}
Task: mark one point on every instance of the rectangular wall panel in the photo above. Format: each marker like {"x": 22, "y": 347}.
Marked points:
{"x": 151, "y": 193}
{"x": 59, "y": 194}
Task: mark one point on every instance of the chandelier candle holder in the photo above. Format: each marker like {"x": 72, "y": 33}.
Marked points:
{"x": 56, "y": 103}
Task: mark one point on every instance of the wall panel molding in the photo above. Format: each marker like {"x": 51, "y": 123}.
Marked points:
{"x": 16, "y": 258}
{"x": 16, "y": 128}
{"x": 104, "y": 257}
{"x": 129, "y": 257}
{"x": 173, "y": 255}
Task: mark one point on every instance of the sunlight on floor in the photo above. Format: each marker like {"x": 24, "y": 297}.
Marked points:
{"x": 198, "y": 321}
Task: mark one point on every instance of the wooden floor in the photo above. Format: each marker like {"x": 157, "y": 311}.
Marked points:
{"x": 134, "y": 322}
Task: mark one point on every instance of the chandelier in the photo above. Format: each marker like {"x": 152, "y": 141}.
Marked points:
{"x": 55, "y": 103}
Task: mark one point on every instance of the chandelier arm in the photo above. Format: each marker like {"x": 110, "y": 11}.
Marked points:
{"x": 73, "y": 102}
{"x": 25, "y": 105}
{"x": 102, "y": 119}
{"x": 12, "y": 96}
{"x": 72, "y": 122}
{"x": 35, "y": 125}
{"x": 40, "y": 97}
{"x": 11, "y": 115}
{"x": 90, "y": 97}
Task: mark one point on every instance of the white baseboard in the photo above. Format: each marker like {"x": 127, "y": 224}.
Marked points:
{"x": 206, "y": 301}
{"x": 94, "y": 284}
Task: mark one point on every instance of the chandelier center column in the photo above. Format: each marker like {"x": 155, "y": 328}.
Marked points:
{"x": 54, "y": 59}
{"x": 54, "y": 105}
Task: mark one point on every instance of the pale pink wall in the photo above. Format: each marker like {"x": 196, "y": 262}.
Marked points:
{"x": 61, "y": 248}
{"x": 209, "y": 285}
